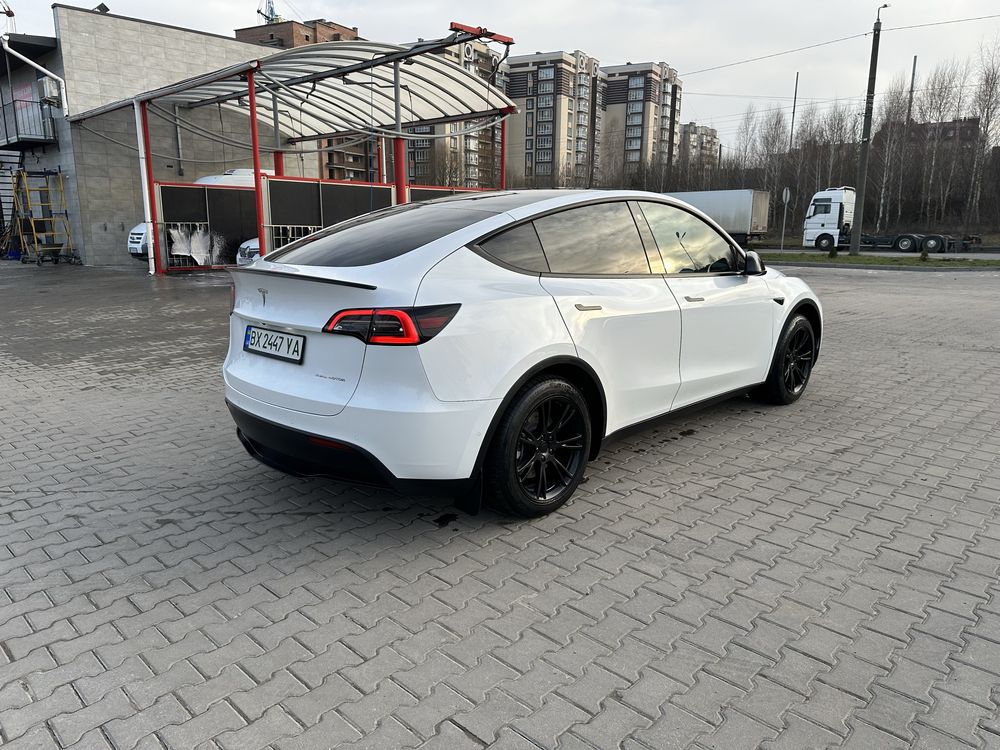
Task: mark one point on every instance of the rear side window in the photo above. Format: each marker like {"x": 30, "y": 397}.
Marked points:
{"x": 379, "y": 236}
{"x": 687, "y": 244}
{"x": 596, "y": 240}
{"x": 518, "y": 247}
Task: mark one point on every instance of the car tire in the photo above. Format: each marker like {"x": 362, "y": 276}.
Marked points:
{"x": 905, "y": 243}
{"x": 539, "y": 451}
{"x": 792, "y": 364}
{"x": 824, "y": 242}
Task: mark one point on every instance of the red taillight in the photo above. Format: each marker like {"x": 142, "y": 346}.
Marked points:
{"x": 395, "y": 326}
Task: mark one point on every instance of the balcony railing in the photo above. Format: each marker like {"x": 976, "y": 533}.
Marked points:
{"x": 25, "y": 123}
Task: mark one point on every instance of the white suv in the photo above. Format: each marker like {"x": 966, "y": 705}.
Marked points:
{"x": 495, "y": 340}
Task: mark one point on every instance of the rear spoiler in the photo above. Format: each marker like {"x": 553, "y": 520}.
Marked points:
{"x": 317, "y": 279}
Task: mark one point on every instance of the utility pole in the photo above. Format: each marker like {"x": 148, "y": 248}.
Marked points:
{"x": 866, "y": 136}
{"x": 795, "y": 100}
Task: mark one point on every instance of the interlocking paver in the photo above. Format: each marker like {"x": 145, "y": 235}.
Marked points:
{"x": 817, "y": 575}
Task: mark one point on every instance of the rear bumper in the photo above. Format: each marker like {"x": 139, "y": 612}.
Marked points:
{"x": 304, "y": 454}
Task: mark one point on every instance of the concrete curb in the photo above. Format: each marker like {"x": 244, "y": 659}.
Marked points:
{"x": 856, "y": 267}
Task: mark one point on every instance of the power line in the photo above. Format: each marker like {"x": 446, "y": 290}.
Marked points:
{"x": 942, "y": 23}
{"x": 775, "y": 54}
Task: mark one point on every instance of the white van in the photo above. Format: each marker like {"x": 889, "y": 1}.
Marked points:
{"x": 138, "y": 247}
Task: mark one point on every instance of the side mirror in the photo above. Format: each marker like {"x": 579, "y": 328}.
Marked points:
{"x": 754, "y": 265}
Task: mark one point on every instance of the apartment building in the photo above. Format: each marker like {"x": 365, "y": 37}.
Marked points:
{"x": 555, "y": 138}
{"x": 642, "y": 124}
{"x": 699, "y": 145}
{"x": 449, "y": 154}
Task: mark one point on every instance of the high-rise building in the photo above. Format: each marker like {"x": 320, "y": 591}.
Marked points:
{"x": 555, "y": 138}
{"x": 450, "y": 154}
{"x": 642, "y": 124}
{"x": 699, "y": 145}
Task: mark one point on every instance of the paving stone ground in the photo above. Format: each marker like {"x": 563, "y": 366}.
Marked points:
{"x": 818, "y": 575}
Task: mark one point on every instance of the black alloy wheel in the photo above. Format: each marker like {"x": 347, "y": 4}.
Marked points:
{"x": 549, "y": 448}
{"x": 798, "y": 360}
{"x": 540, "y": 449}
{"x": 792, "y": 365}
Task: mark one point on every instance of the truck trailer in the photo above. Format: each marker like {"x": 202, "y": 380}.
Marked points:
{"x": 742, "y": 213}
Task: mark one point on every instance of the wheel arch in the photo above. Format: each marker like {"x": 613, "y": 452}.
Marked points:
{"x": 572, "y": 369}
{"x": 808, "y": 309}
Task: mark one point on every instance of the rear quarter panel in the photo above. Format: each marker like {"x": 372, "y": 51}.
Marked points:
{"x": 507, "y": 324}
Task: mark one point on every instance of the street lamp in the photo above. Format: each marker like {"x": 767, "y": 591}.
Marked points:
{"x": 866, "y": 136}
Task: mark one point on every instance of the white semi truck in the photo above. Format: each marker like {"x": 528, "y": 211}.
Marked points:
{"x": 830, "y": 217}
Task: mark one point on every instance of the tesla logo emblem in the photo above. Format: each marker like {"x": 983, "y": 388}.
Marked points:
{"x": 263, "y": 296}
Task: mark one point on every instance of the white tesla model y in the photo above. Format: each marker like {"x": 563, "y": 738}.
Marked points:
{"x": 495, "y": 340}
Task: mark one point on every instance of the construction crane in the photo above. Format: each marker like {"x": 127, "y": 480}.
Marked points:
{"x": 266, "y": 11}
{"x": 9, "y": 12}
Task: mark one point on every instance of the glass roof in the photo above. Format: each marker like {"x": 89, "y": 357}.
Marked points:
{"x": 334, "y": 88}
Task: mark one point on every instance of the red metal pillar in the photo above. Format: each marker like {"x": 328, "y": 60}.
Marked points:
{"x": 503, "y": 154}
{"x": 255, "y": 144}
{"x": 379, "y": 175}
{"x": 154, "y": 241}
{"x": 399, "y": 169}
{"x": 279, "y": 163}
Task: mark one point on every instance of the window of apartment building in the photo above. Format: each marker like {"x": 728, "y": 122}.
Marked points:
{"x": 633, "y": 143}
{"x": 473, "y": 173}
{"x": 529, "y": 145}
{"x": 544, "y": 169}
{"x": 582, "y": 119}
{"x": 635, "y": 95}
{"x": 423, "y": 170}
{"x": 421, "y": 143}
{"x": 633, "y": 132}
{"x": 636, "y": 82}
{"x": 529, "y": 123}
{"x": 545, "y": 101}
{"x": 544, "y": 128}
{"x": 420, "y": 155}
{"x": 421, "y": 129}
{"x": 545, "y": 115}
{"x": 472, "y": 158}
{"x": 546, "y": 87}
{"x": 454, "y": 142}
{"x": 584, "y": 106}
{"x": 529, "y": 103}
{"x": 531, "y": 84}
{"x": 583, "y": 92}
{"x": 544, "y": 141}
{"x": 581, "y": 144}
{"x": 581, "y": 132}
{"x": 546, "y": 74}
{"x": 634, "y": 119}
{"x": 634, "y": 107}
{"x": 544, "y": 155}
{"x": 583, "y": 79}
{"x": 632, "y": 156}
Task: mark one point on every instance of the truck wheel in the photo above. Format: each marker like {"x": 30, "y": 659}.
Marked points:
{"x": 824, "y": 242}
{"x": 905, "y": 243}
{"x": 933, "y": 243}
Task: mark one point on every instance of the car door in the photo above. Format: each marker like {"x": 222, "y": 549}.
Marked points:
{"x": 623, "y": 320}
{"x": 726, "y": 316}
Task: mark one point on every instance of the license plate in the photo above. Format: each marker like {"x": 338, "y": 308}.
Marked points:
{"x": 286, "y": 346}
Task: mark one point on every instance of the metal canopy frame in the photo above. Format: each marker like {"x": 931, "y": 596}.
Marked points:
{"x": 332, "y": 89}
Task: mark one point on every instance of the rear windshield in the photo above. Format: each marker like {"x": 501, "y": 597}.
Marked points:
{"x": 379, "y": 236}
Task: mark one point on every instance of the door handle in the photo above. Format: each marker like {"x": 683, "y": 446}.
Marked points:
{"x": 694, "y": 299}
{"x": 587, "y": 308}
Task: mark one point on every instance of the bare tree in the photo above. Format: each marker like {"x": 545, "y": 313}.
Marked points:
{"x": 934, "y": 105}
{"x": 986, "y": 107}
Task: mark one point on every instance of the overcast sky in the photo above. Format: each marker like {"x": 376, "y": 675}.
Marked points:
{"x": 689, "y": 35}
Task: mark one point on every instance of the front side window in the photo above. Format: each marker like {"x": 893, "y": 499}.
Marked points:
{"x": 597, "y": 240}
{"x": 687, "y": 244}
{"x": 819, "y": 208}
{"x": 518, "y": 247}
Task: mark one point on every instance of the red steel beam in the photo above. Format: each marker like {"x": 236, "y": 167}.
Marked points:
{"x": 154, "y": 241}
{"x": 255, "y": 145}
